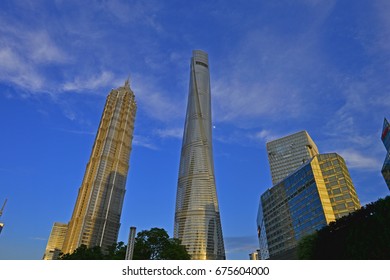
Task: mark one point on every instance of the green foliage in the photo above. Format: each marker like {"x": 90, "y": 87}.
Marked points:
{"x": 84, "y": 253}
{"x": 306, "y": 246}
{"x": 363, "y": 234}
{"x": 115, "y": 252}
{"x": 155, "y": 244}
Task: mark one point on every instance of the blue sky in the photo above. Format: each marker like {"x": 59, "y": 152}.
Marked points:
{"x": 277, "y": 67}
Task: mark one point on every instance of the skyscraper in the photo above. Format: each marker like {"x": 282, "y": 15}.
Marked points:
{"x": 308, "y": 199}
{"x": 197, "y": 218}
{"x": 56, "y": 241}
{"x": 311, "y": 196}
{"x": 386, "y": 141}
{"x": 288, "y": 153}
{"x": 96, "y": 217}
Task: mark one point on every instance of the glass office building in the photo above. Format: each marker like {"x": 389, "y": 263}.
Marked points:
{"x": 386, "y": 141}
{"x": 197, "y": 217}
{"x": 288, "y": 153}
{"x": 308, "y": 199}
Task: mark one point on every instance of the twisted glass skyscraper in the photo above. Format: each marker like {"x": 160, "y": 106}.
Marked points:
{"x": 96, "y": 217}
{"x": 197, "y": 218}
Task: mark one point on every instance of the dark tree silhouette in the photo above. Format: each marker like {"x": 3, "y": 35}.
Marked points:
{"x": 363, "y": 234}
{"x": 153, "y": 244}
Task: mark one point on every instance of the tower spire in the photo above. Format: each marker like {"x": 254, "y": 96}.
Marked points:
{"x": 127, "y": 82}
{"x": 2, "y": 208}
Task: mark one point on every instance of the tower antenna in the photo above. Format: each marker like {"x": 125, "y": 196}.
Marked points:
{"x": 2, "y": 208}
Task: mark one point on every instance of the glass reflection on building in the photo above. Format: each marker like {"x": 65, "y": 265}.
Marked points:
{"x": 308, "y": 199}
{"x": 386, "y": 141}
{"x": 197, "y": 218}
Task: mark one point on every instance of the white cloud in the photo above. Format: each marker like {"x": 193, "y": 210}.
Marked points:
{"x": 77, "y": 131}
{"x": 383, "y": 32}
{"x": 266, "y": 135}
{"x": 241, "y": 244}
{"x": 24, "y": 53}
{"x": 15, "y": 70}
{"x": 134, "y": 11}
{"x": 96, "y": 81}
{"x": 155, "y": 100}
{"x": 43, "y": 49}
{"x": 169, "y": 133}
{"x": 272, "y": 74}
{"x": 143, "y": 141}
{"x": 357, "y": 160}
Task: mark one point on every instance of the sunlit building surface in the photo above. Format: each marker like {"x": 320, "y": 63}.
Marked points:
{"x": 96, "y": 217}
{"x": 288, "y": 153}
{"x": 197, "y": 218}
{"x": 386, "y": 141}
{"x": 56, "y": 241}
{"x": 338, "y": 182}
{"x": 308, "y": 199}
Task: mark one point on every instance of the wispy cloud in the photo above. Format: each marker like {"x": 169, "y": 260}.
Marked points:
{"x": 169, "y": 133}
{"x": 268, "y": 72}
{"x": 96, "y": 81}
{"x": 77, "y": 131}
{"x": 143, "y": 141}
{"x": 15, "y": 70}
{"x": 357, "y": 160}
{"x": 134, "y": 11}
{"x": 25, "y": 52}
{"x": 241, "y": 244}
{"x": 155, "y": 101}
{"x": 266, "y": 135}
{"x": 39, "y": 238}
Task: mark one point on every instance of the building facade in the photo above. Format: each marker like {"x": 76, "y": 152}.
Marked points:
{"x": 96, "y": 216}
{"x": 288, "y": 153}
{"x": 56, "y": 241}
{"x": 197, "y": 218}
{"x": 386, "y": 141}
{"x": 311, "y": 197}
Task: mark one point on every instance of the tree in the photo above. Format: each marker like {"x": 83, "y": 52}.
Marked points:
{"x": 116, "y": 251}
{"x": 363, "y": 234}
{"x": 84, "y": 253}
{"x": 155, "y": 244}
{"x": 306, "y": 246}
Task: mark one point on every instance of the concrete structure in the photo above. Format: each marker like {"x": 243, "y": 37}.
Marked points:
{"x": 254, "y": 256}
{"x": 96, "y": 216}
{"x": 56, "y": 241}
{"x": 130, "y": 244}
{"x": 386, "y": 141}
{"x": 288, "y": 153}
{"x": 197, "y": 218}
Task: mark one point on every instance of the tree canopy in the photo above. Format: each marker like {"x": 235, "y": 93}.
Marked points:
{"x": 153, "y": 244}
{"x": 115, "y": 252}
{"x": 363, "y": 234}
